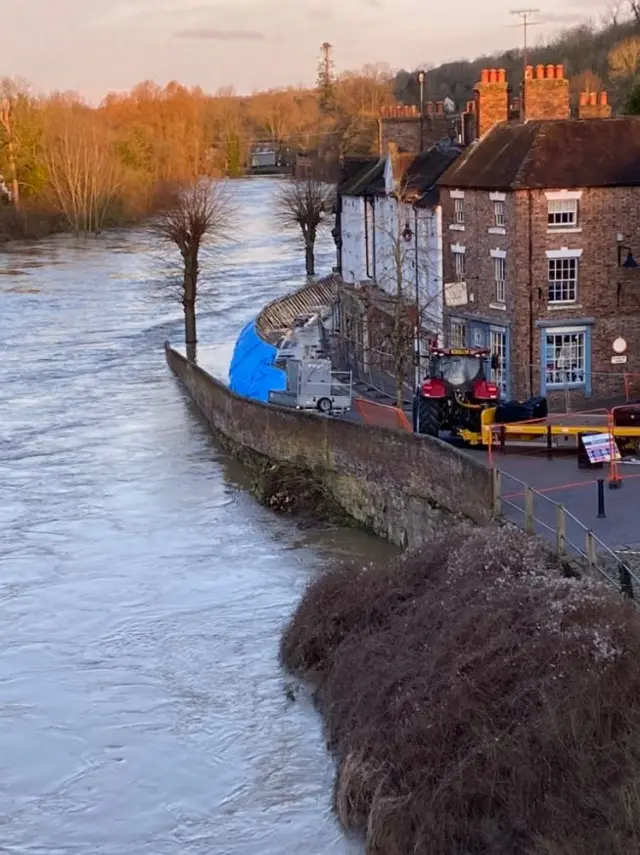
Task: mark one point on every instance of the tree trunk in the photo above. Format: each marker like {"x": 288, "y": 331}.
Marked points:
{"x": 310, "y": 259}
{"x": 190, "y": 324}
{"x": 189, "y": 295}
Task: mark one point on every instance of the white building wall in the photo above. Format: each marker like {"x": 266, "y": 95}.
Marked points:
{"x": 352, "y": 232}
{"x": 420, "y": 258}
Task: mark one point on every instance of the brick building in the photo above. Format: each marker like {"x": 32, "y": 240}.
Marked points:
{"x": 539, "y": 220}
{"x": 404, "y": 126}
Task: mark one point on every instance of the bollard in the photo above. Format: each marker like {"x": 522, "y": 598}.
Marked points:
{"x": 601, "y": 511}
{"x": 503, "y": 439}
{"x": 549, "y": 444}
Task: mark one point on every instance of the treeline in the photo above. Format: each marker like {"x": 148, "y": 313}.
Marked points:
{"x": 68, "y": 165}
{"x": 594, "y": 56}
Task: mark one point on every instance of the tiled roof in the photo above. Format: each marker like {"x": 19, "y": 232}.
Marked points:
{"x": 548, "y": 154}
{"x": 369, "y": 178}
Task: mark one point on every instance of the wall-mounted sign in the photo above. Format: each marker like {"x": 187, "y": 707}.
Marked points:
{"x": 619, "y": 345}
{"x": 455, "y": 294}
{"x": 619, "y": 360}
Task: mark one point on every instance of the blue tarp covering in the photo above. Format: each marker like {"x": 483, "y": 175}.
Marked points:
{"x": 252, "y": 372}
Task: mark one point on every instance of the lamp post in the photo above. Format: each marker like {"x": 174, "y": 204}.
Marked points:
{"x": 421, "y": 85}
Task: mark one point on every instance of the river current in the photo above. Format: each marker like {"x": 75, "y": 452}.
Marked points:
{"x": 142, "y": 589}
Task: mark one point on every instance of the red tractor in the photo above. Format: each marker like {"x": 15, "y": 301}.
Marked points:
{"x": 454, "y": 393}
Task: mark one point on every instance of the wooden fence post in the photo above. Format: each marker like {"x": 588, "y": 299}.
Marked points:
{"x": 561, "y": 531}
{"x": 529, "y": 511}
{"x": 590, "y": 549}
{"x": 497, "y": 492}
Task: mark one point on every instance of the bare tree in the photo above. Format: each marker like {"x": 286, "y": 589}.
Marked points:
{"x": 84, "y": 176}
{"x": 196, "y": 215}
{"x": 410, "y": 273}
{"x": 624, "y": 59}
{"x": 303, "y": 204}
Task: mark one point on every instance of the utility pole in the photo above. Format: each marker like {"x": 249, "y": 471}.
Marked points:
{"x": 525, "y": 14}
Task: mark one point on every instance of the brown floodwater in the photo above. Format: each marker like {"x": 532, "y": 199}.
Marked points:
{"x": 142, "y": 589}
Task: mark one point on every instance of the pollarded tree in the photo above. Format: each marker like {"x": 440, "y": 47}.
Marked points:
{"x": 302, "y": 204}
{"x": 197, "y": 215}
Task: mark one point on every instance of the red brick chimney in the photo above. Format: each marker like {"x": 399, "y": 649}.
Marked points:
{"x": 594, "y": 105}
{"x": 545, "y": 93}
{"x": 492, "y": 99}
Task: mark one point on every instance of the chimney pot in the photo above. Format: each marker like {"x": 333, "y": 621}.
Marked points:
{"x": 484, "y": 75}
{"x": 550, "y": 72}
{"x": 502, "y": 75}
{"x": 429, "y": 107}
{"x": 560, "y": 72}
{"x": 584, "y": 98}
{"x": 528, "y": 72}
{"x": 603, "y": 99}
{"x": 540, "y": 72}
{"x": 593, "y": 99}
{"x": 439, "y": 106}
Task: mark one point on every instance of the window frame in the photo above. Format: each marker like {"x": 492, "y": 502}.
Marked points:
{"x": 458, "y": 211}
{"x": 499, "y": 219}
{"x": 558, "y": 262}
{"x": 583, "y": 336}
{"x": 459, "y": 266}
{"x": 570, "y": 205}
{"x": 500, "y": 290}
{"x": 460, "y": 325}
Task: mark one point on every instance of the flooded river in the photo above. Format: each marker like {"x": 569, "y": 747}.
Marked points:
{"x": 142, "y": 590}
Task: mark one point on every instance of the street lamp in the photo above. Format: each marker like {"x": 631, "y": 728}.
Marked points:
{"x": 407, "y": 234}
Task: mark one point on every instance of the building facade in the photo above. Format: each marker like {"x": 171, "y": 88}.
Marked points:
{"x": 541, "y": 224}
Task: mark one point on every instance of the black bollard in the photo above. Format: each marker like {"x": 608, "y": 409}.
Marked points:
{"x": 601, "y": 511}
{"x": 503, "y": 439}
{"x": 549, "y": 444}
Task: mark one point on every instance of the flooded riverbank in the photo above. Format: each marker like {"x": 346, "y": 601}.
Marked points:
{"x": 142, "y": 588}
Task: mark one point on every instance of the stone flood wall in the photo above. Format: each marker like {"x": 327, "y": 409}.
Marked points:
{"x": 401, "y": 486}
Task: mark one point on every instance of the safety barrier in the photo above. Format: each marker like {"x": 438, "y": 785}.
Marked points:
{"x": 538, "y": 514}
{"x": 382, "y": 415}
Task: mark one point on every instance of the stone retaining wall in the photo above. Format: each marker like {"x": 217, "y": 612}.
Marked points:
{"x": 403, "y": 487}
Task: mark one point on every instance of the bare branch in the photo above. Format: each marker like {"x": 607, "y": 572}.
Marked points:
{"x": 193, "y": 216}
{"x": 302, "y": 205}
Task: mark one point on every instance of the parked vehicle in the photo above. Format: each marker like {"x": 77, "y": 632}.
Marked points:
{"x": 313, "y": 385}
{"x": 454, "y": 394}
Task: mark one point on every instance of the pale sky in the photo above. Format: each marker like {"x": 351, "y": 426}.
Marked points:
{"x": 93, "y": 46}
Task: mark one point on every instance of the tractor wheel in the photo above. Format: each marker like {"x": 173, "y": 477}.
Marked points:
{"x": 427, "y": 417}
{"x": 324, "y": 405}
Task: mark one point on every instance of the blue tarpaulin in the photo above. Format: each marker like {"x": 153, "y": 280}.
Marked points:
{"x": 252, "y": 372}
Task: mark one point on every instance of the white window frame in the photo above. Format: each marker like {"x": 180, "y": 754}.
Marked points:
{"x": 460, "y": 328}
{"x": 566, "y": 210}
{"x": 458, "y": 212}
{"x": 499, "y": 276}
{"x": 556, "y": 259}
{"x": 500, "y": 214}
{"x": 459, "y": 263}
{"x": 552, "y": 332}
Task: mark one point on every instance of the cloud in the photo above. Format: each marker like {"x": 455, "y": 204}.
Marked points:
{"x": 221, "y": 35}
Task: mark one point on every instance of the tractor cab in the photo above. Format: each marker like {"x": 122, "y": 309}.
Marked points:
{"x": 459, "y": 370}
{"x": 454, "y": 393}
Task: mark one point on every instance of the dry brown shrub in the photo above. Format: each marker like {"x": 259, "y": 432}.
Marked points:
{"x": 478, "y": 701}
